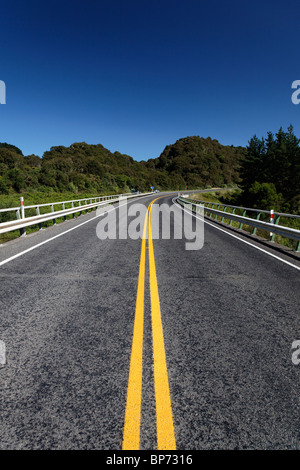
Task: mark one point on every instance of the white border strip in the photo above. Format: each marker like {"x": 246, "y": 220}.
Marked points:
{"x": 241, "y": 240}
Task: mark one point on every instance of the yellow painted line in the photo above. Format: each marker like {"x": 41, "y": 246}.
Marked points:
{"x": 131, "y": 435}
{"x": 164, "y": 418}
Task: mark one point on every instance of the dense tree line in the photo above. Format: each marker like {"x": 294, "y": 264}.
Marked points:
{"x": 267, "y": 170}
{"x": 78, "y": 168}
{"x": 189, "y": 163}
{"x": 270, "y": 173}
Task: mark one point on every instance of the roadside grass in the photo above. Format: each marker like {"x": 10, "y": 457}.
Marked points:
{"x": 228, "y": 197}
{"x": 30, "y": 198}
{"x": 215, "y": 196}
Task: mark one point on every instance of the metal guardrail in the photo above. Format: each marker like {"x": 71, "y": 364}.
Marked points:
{"x": 21, "y": 221}
{"x": 273, "y": 226}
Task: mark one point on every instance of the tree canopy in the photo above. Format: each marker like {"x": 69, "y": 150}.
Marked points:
{"x": 267, "y": 170}
{"x": 271, "y": 171}
{"x": 191, "y": 162}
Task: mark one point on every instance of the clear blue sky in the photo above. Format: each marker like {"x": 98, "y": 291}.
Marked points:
{"x": 136, "y": 75}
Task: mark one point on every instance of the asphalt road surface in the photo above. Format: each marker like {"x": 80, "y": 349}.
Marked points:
{"x": 209, "y": 365}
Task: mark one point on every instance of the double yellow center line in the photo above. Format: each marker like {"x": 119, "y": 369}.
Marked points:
{"x": 164, "y": 419}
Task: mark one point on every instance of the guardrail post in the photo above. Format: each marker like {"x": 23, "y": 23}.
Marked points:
{"x": 257, "y": 218}
{"x": 52, "y": 210}
{"x": 37, "y": 211}
{"x": 233, "y": 211}
{"x": 72, "y": 207}
{"x": 63, "y": 208}
{"x": 222, "y": 220}
{"x": 22, "y": 208}
{"x": 244, "y": 215}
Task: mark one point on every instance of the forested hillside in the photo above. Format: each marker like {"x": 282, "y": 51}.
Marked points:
{"x": 200, "y": 162}
{"x": 189, "y": 163}
{"x": 267, "y": 170}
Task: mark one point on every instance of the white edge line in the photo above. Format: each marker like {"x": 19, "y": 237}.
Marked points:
{"x": 241, "y": 240}
{"x": 59, "y": 235}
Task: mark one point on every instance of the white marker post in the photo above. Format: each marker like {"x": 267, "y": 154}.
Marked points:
{"x": 23, "y": 231}
{"x": 271, "y": 219}
{"x": 22, "y": 208}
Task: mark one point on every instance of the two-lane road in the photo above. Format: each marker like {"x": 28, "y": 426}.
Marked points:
{"x": 210, "y": 363}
